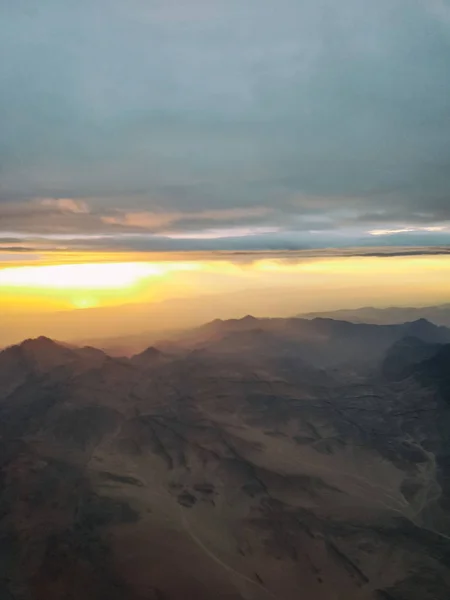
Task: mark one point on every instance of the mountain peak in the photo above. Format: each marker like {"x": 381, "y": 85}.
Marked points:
{"x": 42, "y": 347}
{"x": 422, "y": 327}
{"x": 422, "y": 321}
{"x": 34, "y": 355}
{"x": 39, "y": 342}
{"x": 149, "y": 356}
{"x": 151, "y": 351}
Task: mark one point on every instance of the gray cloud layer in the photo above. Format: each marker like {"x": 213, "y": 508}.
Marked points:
{"x": 204, "y": 116}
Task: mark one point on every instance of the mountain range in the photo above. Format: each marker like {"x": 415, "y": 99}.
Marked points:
{"x": 137, "y": 342}
{"x": 241, "y": 460}
{"x": 440, "y": 315}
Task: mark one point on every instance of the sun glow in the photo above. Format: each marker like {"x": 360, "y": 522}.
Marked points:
{"x": 89, "y": 285}
{"x": 85, "y": 302}
{"x": 80, "y": 276}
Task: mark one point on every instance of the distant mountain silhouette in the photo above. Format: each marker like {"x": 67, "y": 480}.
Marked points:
{"x": 322, "y": 342}
{"x": 439, "y": 315}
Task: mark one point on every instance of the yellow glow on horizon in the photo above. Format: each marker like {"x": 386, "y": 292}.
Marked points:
{"x": 38, "y": 288}
{"x": 90, "y": 276}
{"x": 131, "y": 295}
{"x": 337, "y": 281}
{"x": 79, "y": 276}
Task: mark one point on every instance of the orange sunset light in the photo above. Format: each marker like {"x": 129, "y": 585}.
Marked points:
{"x": 85, "y": 285}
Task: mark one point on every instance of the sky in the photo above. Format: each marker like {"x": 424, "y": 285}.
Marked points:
{"x": 142, "y": 128}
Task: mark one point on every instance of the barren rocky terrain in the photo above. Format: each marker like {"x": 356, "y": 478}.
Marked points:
{"x": 249, "y": 459}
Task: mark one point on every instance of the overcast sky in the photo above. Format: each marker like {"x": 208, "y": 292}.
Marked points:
{"x": 224, "y": 124}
